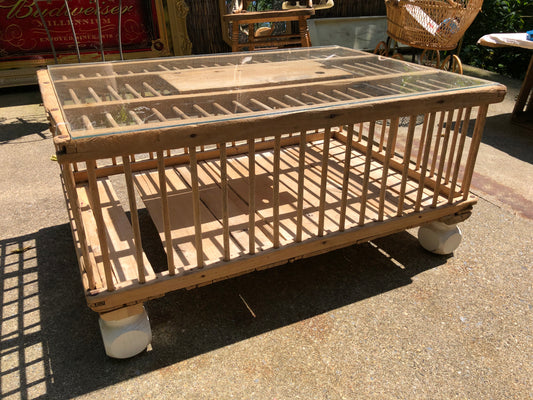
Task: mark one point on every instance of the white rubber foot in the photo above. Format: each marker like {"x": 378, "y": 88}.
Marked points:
{"x": 126, "y": 337}
{"x": 439, "y": 238}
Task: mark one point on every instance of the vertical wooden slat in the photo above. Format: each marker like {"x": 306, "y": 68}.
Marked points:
{"x": 474, "y": 147}
{"x": 406, "y": 162}
{"x": 323, "y": 182}
{"x": 346, "y": 177}
{"x": 453, "y": 145}
{"x": 134, "y": 219}
{"x": 422, "y": 141}
{"x": 224, "y": 186}
{"x": 442, "y": 158}
{"x": 435, "y": 154}
{"x": 360, "y": 136}
{"x": 366, "y": 178}
{"x": 425, "y": 161}
{"x": 251, "y": 196}
{"x": 459, "y": 156}
{"x": 100, "y": 225}
{"x": 165, "y": 211}
{"x": 74, "y": 202}
{"x": 393, "y": 131}
{"x": 196, "y": 206}
{"x": 301, "y": 182}
{"x": 382, "y": 135}
{"x": 275, "y": 184}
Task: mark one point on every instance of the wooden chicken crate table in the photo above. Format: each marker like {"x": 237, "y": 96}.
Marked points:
{"x": 245, "y": 161}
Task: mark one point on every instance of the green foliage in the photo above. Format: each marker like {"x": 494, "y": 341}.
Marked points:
{"x": 495, "y": 17}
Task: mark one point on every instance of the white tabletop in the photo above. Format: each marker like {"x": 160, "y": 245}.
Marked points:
{"x": 506, "y": 39}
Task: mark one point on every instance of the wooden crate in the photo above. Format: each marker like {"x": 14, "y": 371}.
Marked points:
{"x": 307, "y": 151}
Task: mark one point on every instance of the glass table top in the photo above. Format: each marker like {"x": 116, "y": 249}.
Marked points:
{"x": 137, "y": 95}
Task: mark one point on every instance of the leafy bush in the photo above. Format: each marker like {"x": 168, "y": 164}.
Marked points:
{"x": 499, "y": 16}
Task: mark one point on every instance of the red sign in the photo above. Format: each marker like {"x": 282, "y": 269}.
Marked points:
{"x": 23, "y": 34}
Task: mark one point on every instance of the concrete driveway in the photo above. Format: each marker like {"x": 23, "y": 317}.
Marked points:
{"x": 382, "y": 320}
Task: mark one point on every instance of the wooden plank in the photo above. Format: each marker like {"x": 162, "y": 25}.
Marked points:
{"x": 212, "y": 195}
{"x": 119, "y": 233}
{"x": 249, "y": 75}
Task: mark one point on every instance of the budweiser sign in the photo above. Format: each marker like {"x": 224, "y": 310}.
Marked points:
{"x": 24, "y": 35}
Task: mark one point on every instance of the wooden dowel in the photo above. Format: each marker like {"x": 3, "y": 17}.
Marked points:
{"x": 327, "y": 96}
{"x": 278, "y": 102}
{"x": 346, "y": 177}
{"x": 346, "y": 96}
{"x": 94, "y": 95}
{"x": 453, "y": 145}
{"x": 393, "y": 131}
{"x": 201, "y": 110}
{"x": 435, "y": 154}
{"x": 110, "y": 119}
{"x": 425, "y": 160}
{"x": 132, "y": 91}
{"x": 474, "y": 147}
{"x": 366, "y": 177}
{"x": 221, "y": 108}
{"x": 134, "y": 219}
{"x": 241, "y": 106}
{"x": 459, "y": 156}
{"x": 74, "y": 203}
{"x": 180, "y": 113}
{"x": 275, "y": 185}
{"x": 442, "y": 161}
{"x": 358, "y": 93}
{"x": 196, "y": 207}
{"x": 73, "y": 96}
{"x": 135, "y": 117}
{"x": 87, "y": 122}
{"x": 251, "y": 195}
{"x": 382, "y": 135}
{"x": 164, "y": 209}
{"x": 260, "y": 104}
{"x": 224, "y": 186}
{"x": 422, "y": 141}
{"x": 406, "y": 162}
{"x": 100, "y": 224}
{"x": 114, "y": 93}
{"x": 294, "y": 100}
{"x": 151, "y": 89}
{"x": 301, "y": 182}
{"x": 158, "y": 114}
{"x": 313, "y": 98}
{"x": 360, "y": 135}
{"x": 323, "y": 182}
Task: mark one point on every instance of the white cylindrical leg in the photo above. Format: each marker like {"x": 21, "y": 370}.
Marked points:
{"x": 128, "y": 336}
{"x": 439, "y": 238}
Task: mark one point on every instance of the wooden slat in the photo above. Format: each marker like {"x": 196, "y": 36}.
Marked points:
{"x": 425, "y": 160}
{"x": 101, "y": 234}
{"x": 164, "y": 212}
{"x": 323, "y": 181}
{"x": 134, "y": 219}
{"x": 119, "y": 245}
{"x": 301, "y": 183}
{"x": 196, "y": 207}
{"x": 458, "y": 157}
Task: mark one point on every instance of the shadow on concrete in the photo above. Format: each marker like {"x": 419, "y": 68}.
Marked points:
{"x": 54, "y": 346}
{"x": 512, "y": 139}
{"x": 21, "y": 96}
{"x": 22, "y": 126}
